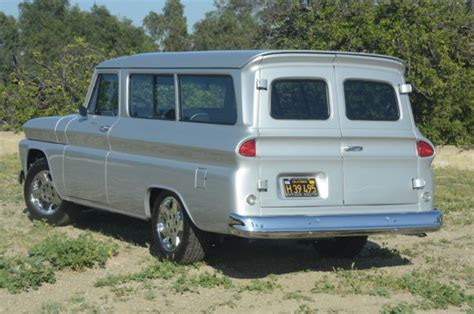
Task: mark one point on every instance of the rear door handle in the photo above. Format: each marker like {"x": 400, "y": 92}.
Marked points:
{"x": 350, "y": 148}
{"x": 104, "y": 128}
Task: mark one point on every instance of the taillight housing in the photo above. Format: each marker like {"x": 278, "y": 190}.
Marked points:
{"x": 248, "y": 148}
{"x": 424, "y": 149}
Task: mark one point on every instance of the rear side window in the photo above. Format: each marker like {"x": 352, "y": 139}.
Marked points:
{"x": 104, "y": 98}
{"x": 369, "y": 100}
{"x": 152, "y": 96}
{"x": 299, "y": 99}
{"x": 207, "y": 99}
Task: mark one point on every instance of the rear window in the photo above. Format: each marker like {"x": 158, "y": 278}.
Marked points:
{"x": 207, "y": 99}
{"x": 299, "y": 99}
{"x": 369, "y": 100}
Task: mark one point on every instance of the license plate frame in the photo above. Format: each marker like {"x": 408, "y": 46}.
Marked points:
{"x": 300, "y": 187}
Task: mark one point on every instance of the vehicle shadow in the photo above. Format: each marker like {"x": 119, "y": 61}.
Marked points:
{"x": 128, "y": 229}
{"x": 242, "y": 258}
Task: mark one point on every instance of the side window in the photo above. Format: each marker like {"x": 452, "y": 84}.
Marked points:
{"x": 370, "y": 100}
{"x": 152, "y": 96}
{"x": 299, "y": 99}
{"x": 104, "y": 98}
{"x": 207, "y": 99}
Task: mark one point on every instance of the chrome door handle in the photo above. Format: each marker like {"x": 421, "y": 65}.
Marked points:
{"x": 104, "y": 128}
{"x": 349, "y": 148}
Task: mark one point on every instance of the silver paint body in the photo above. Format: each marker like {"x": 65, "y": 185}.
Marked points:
{"x": 361, "y": 167}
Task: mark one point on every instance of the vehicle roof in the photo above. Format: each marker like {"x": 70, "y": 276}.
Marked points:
{"x": 221, "y": 59}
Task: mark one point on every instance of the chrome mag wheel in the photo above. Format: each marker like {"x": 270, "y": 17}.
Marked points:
{"x": 43, "y": 195}
{"x": 170, "y": 224}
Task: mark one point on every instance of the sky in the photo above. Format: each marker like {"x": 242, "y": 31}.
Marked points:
{"x": 135, "y": 10}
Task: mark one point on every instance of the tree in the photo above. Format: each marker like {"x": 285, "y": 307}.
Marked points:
{"x": 8, "y": 45}
{"x": 231, "y": 26}
{"x": 53, "y": 88}
{"x": 43, "y": 26}
{"x": 169, "y": 29}
{"x": 46, "y": 25}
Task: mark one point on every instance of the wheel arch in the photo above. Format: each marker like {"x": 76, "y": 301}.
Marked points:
{"x": 153, "y": 192}
{"x": 35, "y": 154}
{"x": 52, "y": 153}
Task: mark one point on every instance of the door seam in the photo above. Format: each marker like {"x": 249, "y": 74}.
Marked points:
{"x": 338, "y": 105}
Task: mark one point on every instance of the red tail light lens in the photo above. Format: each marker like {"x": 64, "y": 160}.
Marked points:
{"x": 248, "y": 148}
{"x": 424, "y": 149}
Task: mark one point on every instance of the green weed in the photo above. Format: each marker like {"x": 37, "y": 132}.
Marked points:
{"x": 305, "y": 309}
{"x": 54, "y": 253}
{"x": 21, "y": 273}
{"x": 52, "y": 308}
{"x": 401, "y": 308}
{"x": 159, "y": 270}
{"x": 187, "y": 283}
{"x": 433, "y": 293}
{"x": 297, "y": 295}
{"x": 76, "y": 254}
{"x": 266, "y": 285}
{"x": 167, "y": 270}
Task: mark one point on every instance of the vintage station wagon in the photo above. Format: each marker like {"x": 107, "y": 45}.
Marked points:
{"x": 257, "y": 144}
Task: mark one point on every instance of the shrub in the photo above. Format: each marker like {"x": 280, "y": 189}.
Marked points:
{"x": 17, "y": 274}
{"x": 54, "y": 253}
{"x": 76, "y": 254}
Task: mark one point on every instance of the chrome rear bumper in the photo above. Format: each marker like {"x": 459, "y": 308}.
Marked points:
{"x": 288, "y": 227}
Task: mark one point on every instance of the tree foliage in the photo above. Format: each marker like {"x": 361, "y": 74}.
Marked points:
{"x": 169, "y": 30}
{"x": 56, "y": 88}
{"x": 232, "y": 25}
{"x": 8, "y": 44}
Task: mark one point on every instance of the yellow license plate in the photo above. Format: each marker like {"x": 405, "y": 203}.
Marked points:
{"x": 300, "y": 187}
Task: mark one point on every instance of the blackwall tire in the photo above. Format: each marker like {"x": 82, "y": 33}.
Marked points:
{"x": 175, "y": 237}
{"x": 42, "y": 200}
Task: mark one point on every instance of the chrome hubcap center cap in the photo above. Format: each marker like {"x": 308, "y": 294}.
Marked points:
{"x": 43, "y": 194}
{"x": 170, "y": 224}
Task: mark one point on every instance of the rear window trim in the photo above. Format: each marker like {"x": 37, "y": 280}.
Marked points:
{"x": 399, "y": 111}
{"x": 180, "y": 107}
{"x": 129, "y": 89}
{"x": 302, "y": 78}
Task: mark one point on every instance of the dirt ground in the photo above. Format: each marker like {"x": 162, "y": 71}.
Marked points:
{"x": 294, "y": 266}
{"x": 266, "y": 276}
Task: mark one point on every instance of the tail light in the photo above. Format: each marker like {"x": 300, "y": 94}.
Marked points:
{"x": 248, "y": 148}
{"x": 424, "y": 149}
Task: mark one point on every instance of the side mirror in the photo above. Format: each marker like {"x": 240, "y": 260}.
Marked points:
{"x": 83, "y": 111}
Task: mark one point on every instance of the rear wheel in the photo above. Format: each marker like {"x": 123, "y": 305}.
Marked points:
{"x": 175, "y": 238}
{"x": 42, "y": 200}
{"x": 341, "y": 246}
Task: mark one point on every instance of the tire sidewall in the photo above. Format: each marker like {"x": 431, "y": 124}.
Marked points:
{"x": 55, "y": 218}
{"x": 177, "y": 254}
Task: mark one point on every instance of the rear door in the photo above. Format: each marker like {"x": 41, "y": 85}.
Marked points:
{"x": 299, "y": 142}
{"x": 378, "y": 141}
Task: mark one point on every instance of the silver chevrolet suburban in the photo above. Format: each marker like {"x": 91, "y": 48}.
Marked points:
{"x": 258, "y": 144}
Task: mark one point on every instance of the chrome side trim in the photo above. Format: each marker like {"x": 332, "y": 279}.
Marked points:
{"x": 287, "y": 227}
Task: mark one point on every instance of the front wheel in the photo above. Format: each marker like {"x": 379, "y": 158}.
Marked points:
{"x": 42, "y": 200}
{"x": 175, "y": 238}
{"x": 342, "y": 246}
